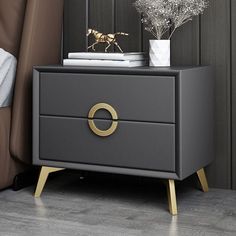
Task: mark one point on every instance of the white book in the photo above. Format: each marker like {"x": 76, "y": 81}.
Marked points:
{"x": 107, "y": 56}
{"x": 112, "y": 63}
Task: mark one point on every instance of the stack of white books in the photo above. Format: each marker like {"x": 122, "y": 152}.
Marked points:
{"x": 133, "y": 59}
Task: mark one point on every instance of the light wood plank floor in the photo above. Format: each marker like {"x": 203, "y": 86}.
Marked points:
{"x": 107, "y": 205}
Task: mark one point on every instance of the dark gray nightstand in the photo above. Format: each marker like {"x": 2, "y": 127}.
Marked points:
{"x": 155, "y": 122}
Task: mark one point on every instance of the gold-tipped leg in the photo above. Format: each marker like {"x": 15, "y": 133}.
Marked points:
{"x": 45, "y": 171}
{"x": 172, "y": 197}
{"x": 203, "y": 180}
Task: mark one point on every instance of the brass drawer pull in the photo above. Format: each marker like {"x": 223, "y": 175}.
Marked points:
{"x": 93, "y": 127}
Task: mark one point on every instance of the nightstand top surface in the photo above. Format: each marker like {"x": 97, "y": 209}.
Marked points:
{"x": 118, "y": 70}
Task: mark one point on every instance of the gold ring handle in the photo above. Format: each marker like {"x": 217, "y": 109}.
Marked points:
{"x": 93, "y": 127}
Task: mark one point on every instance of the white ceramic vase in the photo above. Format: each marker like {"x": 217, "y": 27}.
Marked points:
{"x": 159, "y": 53}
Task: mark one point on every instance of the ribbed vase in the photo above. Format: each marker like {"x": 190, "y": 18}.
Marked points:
{"x": 159, "y": 53}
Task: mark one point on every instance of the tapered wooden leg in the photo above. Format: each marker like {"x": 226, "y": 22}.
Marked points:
{"x": 203, "y": 180}
{"x": 172, "y": 197}
{"x": 45, "y": 171}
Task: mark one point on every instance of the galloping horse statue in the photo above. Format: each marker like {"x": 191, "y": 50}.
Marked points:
{"x": 105, "y": 38}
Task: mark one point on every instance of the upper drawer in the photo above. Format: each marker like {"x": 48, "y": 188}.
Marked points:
{"x": 140, "y": 98}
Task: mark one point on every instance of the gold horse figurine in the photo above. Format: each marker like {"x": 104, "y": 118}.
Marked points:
{"x": 105, "y": 38}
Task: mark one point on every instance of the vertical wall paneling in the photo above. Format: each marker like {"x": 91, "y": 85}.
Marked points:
{"x": 185, "y": 44}
{"x": 102, "y": 18}
{"x": 215, "y": 50}
{"x": 128, "y": 20}
{"x": 75, "y": 26}
{"x": 146, "y": 37}
{"x": 233, "y": 70}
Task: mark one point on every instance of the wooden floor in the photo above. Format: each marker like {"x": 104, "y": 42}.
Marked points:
{"x": 107, "y": 205}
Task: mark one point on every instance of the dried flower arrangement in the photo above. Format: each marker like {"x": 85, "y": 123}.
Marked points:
{"x": 160, "y": 16}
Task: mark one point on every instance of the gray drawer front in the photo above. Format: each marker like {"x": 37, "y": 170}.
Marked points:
{"x": 135, "y": 98}
{"x": 138, "y": 145}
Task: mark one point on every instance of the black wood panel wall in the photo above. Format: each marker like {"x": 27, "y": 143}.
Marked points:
{"x": 208, "y": 39}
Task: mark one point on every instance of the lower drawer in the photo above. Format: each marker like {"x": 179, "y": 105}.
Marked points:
{"x": 138, "y": 145}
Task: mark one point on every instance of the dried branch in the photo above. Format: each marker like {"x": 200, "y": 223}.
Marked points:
{"x": 159, "y": 16}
